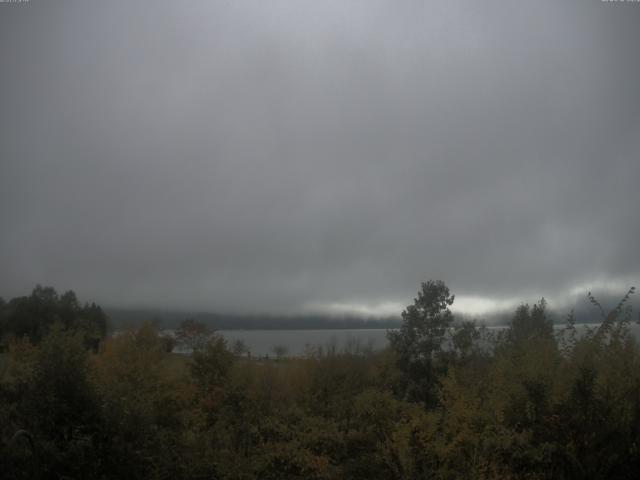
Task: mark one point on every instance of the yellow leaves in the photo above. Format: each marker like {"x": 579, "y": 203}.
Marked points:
{"x": 292, "y": 461}
{"x": 19, "y": 362}
{"x": 137, "y": 379}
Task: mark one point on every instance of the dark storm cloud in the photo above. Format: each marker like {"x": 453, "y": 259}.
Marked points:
{"x": 278, "y": 156}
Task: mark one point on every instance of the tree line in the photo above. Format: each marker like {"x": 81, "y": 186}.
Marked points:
{"x": 447, "y": 399}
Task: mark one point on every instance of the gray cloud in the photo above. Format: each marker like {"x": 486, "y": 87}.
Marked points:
{"x": 280, "y": 156}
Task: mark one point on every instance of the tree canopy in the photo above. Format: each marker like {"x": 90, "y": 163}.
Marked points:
{"x": 445, "y": 400}
{"x": 34, "y": 315}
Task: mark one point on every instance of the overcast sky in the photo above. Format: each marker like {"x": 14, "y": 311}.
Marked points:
{"x": 296, "y": 156}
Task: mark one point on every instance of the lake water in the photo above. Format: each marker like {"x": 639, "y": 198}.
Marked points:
{"x": 298, "y": 342}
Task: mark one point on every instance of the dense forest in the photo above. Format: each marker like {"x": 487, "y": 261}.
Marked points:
{"x": 447, "y": 399}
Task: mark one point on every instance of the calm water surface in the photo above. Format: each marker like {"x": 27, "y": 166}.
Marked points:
{"x": 299, "y": 342}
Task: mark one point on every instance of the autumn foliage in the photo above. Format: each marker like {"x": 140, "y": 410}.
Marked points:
{"x": 446, "y": 400}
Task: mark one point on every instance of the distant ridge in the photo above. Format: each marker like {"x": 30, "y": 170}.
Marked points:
{"x": 166, "y": 318}
{"x": 121, "y": 318}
